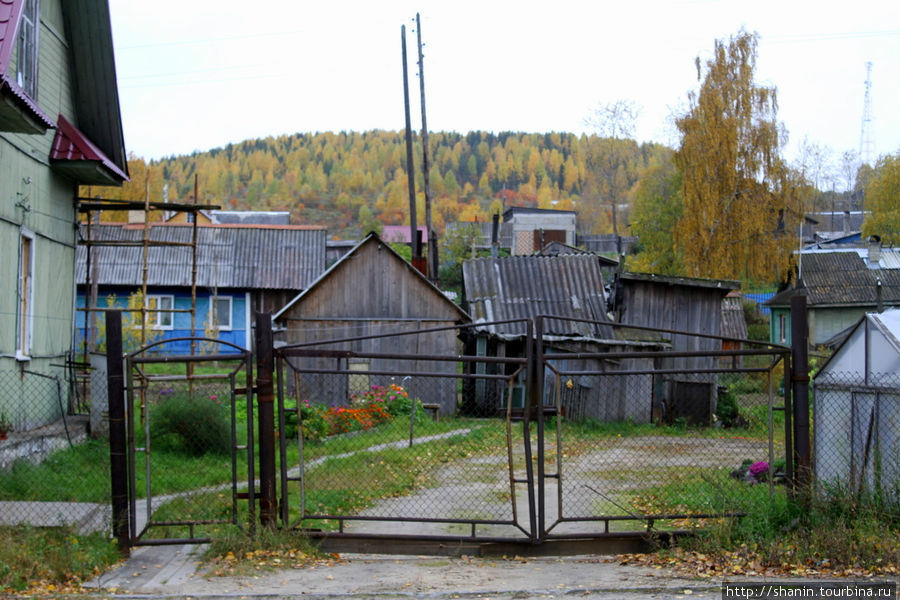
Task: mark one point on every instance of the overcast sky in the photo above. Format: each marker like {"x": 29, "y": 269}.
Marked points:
{"x": 199, "y": 74}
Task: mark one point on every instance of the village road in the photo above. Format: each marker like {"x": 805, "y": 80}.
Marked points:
{"x": 173, "y": 572}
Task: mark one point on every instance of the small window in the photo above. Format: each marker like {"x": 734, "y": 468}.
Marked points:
{"x": 782, "y": 328}
{"x": 25, "y": 291}
{"x": 27, "y": 49}
{"x": 220, "y": 313}
{"x": 159, "y": 318}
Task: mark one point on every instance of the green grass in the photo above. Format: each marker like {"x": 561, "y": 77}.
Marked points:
{"x": 30, "y": 556}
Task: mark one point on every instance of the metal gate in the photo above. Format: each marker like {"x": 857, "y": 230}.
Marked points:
{"x": 458, "y": 437}
{"x": 195, "y": 409}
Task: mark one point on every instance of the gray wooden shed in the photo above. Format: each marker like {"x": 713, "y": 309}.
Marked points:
{"x": 372, "y": 291}
{"x": 685, "y": 304}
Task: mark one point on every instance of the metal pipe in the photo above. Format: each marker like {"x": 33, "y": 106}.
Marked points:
{"x": 265, "y": 396}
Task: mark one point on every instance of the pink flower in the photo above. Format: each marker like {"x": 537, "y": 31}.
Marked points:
{"x": 759, "y": 468}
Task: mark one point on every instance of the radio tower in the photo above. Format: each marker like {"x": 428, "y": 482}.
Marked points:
{"x": 866, "y": 145}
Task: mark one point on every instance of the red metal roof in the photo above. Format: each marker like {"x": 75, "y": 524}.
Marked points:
{"x": 72, "y": 144}
{"x": 9, "y": 19}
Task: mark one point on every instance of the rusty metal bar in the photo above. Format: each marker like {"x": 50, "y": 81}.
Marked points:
{"x": 686, "y": 371}
{"x": 418, "y": 373}
{"x": 292, "y": 352}
{"x": 396, "y": 334}
{"x": 615, "y": 325}
{"x": 265, "y": 396}
{"x": 118, "y": 446}
{"x": 664, "y": 354}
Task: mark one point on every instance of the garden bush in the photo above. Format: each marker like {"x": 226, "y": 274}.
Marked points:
{"x": 196, "y": 426}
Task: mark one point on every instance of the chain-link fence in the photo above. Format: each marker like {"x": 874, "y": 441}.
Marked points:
{"x": 190, "y": 443}
{"x": 856, "y": 433}
{"x": 53, "y": 468}
{"x": 462, "y": 444}
{"x": 386, "y": 450}
{"x": 673, "y": 448}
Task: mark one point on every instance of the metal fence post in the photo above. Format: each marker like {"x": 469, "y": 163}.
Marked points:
{"x": 800, "y": 385}
{"x": 118, "y": 451}
{"x": 265, "y": 397}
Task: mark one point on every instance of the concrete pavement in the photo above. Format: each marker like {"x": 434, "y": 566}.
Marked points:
{"x": 169, "y": 572}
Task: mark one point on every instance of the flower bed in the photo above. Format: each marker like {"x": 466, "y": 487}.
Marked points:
{"x": 377, "y": 405}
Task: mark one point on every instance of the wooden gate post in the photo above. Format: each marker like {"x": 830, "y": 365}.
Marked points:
{"x": 265, "y": 398}
{"x": 118, "y": 450}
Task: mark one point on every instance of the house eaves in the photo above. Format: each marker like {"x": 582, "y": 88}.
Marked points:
{"x": 95, "y": 86}
{"x": 75, "y": 156}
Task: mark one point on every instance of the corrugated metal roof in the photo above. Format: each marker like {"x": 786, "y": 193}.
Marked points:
{"x": 734, "y": 325}
{"x": 839, "y": 278}
{"x": 243, "y": 257}
{"x": 520, "y": 287}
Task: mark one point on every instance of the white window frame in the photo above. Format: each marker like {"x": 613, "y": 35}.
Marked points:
{"x": 157, "y": 318}
{"x": 27, "y": 48}
{"x": 25, "y": 296}
{"x": 213, "y": 314}
{"x": 782, "y": 328}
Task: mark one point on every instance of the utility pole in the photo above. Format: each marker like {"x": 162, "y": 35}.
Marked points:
{"x": 410, "y": 171}
{"x": 432, "y": 239}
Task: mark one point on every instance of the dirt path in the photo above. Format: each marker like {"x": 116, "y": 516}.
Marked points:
{"x": 592, "y": 482}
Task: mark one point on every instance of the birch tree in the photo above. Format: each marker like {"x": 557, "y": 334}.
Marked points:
{"x": 734, "y": 181}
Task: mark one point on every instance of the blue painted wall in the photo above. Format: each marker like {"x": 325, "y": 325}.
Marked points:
{"x": 181, "y": 326}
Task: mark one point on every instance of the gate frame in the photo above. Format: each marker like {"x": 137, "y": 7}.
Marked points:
{"x": 777, "y": 352}
{"x": 122, "y": 439}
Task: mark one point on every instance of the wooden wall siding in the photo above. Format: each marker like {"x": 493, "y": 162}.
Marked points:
{"x": 26, "y": 179}
{"x": 374, "y": 284}
{"x": 605, "y": 398}
{"x": 334, "y": 389}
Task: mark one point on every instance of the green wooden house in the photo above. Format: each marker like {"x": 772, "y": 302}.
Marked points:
{"x": 841, "y": 285}
{"x": 60, "y": 127}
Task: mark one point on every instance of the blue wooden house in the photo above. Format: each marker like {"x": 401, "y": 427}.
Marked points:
{"x": 241, "y": 269}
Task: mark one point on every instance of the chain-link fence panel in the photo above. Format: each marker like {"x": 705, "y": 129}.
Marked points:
{"x": 54, "y": 469}
{"x": 641, "y": 440}
{"x": 856, "y": 433}
{"x": 189, "y": 431}
{"x": 431, "y": 446}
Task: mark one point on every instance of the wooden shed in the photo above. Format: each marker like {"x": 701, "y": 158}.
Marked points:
{"x": 679, "y": 304}
{"x": 373, "y": 291}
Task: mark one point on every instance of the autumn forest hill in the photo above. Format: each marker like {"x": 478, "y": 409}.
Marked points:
{"x": 340, "y": 180}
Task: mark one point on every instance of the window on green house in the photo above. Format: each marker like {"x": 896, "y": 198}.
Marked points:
{"x": 27, "y": 49}
{"x": 25, "y": 291}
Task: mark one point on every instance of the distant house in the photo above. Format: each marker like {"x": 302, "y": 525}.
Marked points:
{"x": 231, "y": 217}
{"x": 241, "y": 269}
{"x": 400, "y": 234}
{"x": 372, "y": 290}
{"x": 533, "y": 228}
{"x": 608, "y": 266}
{"x": 841, "y": 285}
{"x": 60, "y": 127}
{"x": 857, "y": 408}
{"x": 607, "y": 243}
